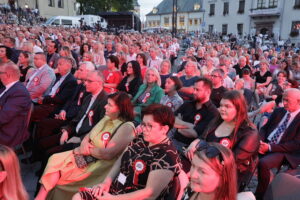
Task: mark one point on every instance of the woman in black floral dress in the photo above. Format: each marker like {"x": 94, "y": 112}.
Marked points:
{"x": 148, "y": 165}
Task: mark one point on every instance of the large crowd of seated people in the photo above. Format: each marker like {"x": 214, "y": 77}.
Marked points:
{"x": 127, "y": 116}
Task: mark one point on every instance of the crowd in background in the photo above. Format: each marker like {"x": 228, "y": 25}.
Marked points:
{"x": 135, "y": 115}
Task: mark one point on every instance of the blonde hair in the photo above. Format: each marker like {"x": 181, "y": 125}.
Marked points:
{"x": 154, "y": 70}
{"x": 224, "y": 165}
{"x": 12, "y": 186}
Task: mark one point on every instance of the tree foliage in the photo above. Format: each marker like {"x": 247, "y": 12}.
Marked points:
{"x": 95, "y": 6}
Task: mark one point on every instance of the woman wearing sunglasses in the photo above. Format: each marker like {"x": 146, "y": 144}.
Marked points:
{"x": 213, "y": 173}
{"x": 234, "y": 130}
{"x": 147, "y": 166}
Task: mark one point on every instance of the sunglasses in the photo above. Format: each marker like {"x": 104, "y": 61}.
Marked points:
{"x": 210, "y": 151}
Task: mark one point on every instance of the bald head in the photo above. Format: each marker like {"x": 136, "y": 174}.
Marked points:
{"x": 9, "y": 72}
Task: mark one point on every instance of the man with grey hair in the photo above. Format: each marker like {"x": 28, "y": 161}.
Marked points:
{"x": 242, "y": 64}
{"x": 280, "y": 139}
{"x": 15, "y": 105}
{"x": 69, "y": 134}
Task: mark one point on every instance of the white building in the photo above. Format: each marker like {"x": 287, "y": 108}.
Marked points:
{"x": 280, "y": 18}
{"x": 189, "y": 15}
{"x": 48, "y": 8}
{"x": 243, "y": 17}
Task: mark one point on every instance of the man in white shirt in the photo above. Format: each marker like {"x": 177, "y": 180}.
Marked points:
{"x": 154, "y": 60}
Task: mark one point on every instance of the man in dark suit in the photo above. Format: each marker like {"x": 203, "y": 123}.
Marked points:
{"x": 10, "y": 42}
{"x": 52, "y": 55}
{"x": 91, "y": 112}
{"x": 280, "y": 139}
{"x": 51, "y": 125}
{"x": 60, "y": 92}
{"x": 15, "y": 104}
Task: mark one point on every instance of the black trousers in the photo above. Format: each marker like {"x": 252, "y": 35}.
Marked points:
{"x": 265, "y": 164}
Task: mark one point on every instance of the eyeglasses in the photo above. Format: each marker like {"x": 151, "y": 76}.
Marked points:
{"x": 145, "y": 126}
{"x": 89, "y": 81}
{"x": 214, "y": 76}
{"x": 210, "y": 151}
{"x": 2, "y": 72}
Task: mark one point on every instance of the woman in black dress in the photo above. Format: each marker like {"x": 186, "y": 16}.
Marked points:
{"x": 132, "y": 81}
{"x": 24, "y": 65}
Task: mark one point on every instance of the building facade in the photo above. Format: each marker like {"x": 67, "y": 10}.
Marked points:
{"x": 48, "y": 8}
{"x": 277, "y": 18}
{"x": 190, "y": 15}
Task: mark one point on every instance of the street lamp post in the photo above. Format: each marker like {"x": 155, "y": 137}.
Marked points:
{"x": 174, "y": 18}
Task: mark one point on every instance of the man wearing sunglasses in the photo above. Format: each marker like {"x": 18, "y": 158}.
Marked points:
{"x": 15, "y": 104}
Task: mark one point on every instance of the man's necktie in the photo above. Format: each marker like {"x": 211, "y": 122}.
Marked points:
{"x": 280, "y": 130}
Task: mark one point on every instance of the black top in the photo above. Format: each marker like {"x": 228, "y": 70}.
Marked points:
{"x": 238, "y": 69}
{"x": 217, "y": 94}
{"x": 132, "y": 87}
{"x": 262, "y": 79}
{"x": 163, "y": 80}
{"x": 24, "y": 72}
{"x": 200, "y": 118}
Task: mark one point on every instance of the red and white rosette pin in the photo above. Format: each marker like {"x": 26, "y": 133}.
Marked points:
{"x": 90, "y": 115}
{"x": 226, "y": 142}
{"x": 197, "y": 118}
{"x": 127, "y": 86}
{"x": 170, "y": 105}
{"x": 109, "y": 75}
{"x": 79, "y": 98}
{"x": 147, "y": 96}
{"x": 36, "y": 80}
{"x": 105, "y": 137}
{"x": 139, "y": 167}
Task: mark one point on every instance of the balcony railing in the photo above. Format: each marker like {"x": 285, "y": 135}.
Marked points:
{"x": 264, "y": 12}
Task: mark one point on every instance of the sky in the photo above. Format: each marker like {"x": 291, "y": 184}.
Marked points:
{"x": 147, "y": 6}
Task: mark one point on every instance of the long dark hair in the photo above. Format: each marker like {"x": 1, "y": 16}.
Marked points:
{"x": 136, "y": 68}
{"x": 123, "y": 101}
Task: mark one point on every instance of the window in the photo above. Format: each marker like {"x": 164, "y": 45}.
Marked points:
{"x": 197, "y": 6}
{"x": 191, "y": 22}
{"x": 295, "y": 28}
{"x": 196, "y": 21}
{"x": 56, "y": 22}
{"x": 212, "y": 10}
{"x": 166, "y": 21}
{"x": 241, "y": 9}
{"x": 51, "y": 3}
{"x": 297, "y": 4}
{"x": 224, "y": 29}
{"x": 226, "y": 8}
{"x": 60, "y": 3}
{"x": 66, "y": 22}
{"x": 158, "y": 23}
{"x": 273, "y": 3}
{"x": 181, "y": 21}
{"x": 210, "y": 28}
{"x": 261, "y": 3}
{"x": 240, "y": 29}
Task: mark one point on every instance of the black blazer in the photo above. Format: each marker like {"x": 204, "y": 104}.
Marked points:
{"x": 14, "y": 108}
{"x": 98, "y": 109}
{"x": 290, "y": 141}
{"x": 63, "y": 93}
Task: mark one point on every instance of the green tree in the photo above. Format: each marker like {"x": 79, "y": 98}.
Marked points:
{"x": 95, "y": 6}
